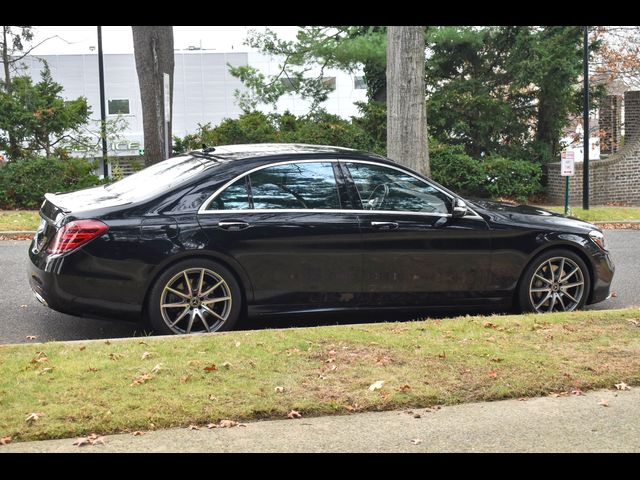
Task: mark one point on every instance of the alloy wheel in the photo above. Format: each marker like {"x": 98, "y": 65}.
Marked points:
{"x": 557, "y": 285}
{"x": 195, "y": 300}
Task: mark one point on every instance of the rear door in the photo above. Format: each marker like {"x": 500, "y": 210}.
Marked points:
{"x": 291, "y": 227}
{"x": 414, "y": 252}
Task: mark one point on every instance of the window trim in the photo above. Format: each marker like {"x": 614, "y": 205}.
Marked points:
{"x": 342, "y": 162}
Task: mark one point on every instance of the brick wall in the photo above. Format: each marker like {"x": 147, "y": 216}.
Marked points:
{"x": 610, "y": 121}
{"x": 613, "y": 179}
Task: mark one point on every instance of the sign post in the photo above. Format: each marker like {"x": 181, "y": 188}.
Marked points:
{"x": 167, "y": 112}
{"x": 567, "y": 169}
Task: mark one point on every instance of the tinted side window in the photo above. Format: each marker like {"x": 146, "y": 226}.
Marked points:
{"x": 234, "y": 197}
{"x": 383, "y": 188}
{"x": 295, "y": 185}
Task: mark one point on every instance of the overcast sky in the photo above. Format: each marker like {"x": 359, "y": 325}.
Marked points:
{"x": 80, "y": 39}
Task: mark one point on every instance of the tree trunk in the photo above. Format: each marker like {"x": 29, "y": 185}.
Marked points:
{"x": 406, "y": 106}
{"x": 153, "y": 50}
{"x": 14, "y": 149}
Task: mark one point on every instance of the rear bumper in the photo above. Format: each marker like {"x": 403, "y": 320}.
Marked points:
{"x": 54, "y": 285}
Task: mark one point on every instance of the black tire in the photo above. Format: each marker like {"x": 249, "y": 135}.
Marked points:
{"x": 525, "y": 296}
{"x": 213, "y": 271}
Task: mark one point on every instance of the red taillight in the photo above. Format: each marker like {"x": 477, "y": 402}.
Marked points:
{"x": 74, "y": 234}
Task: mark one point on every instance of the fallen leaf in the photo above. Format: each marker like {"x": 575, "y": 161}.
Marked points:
{"x": 157, "y": 368}
{"x": 92, "y": 439}
{"x": 116, "y": 356}
{"x": 91, "y": 369}
{"x": 137, "y": 433}
{"x": 226, "y": 365}
{"x": 604, "y": 403}
{"x": 225, "y": 424}
{"x": 84, "y": 347}
{"x": 107, "y": 342}
{"x": 237, "y": 344}
{"x": 194, "y": 427}
{"x": 294, "y": 414}
{"x": 577, "y": 392}
{"x": 39, "y": 358}
{"x": 279, "y": 389}
{"x": 417, "y": 415}
{"x": 522, "y": 399}
{"x": 416, "y": 441}
{"x": 493, "y": 373}
{"x": 31, "y": 337}
{"x": 211, "y": 368}
{"x": 32, "y": 417}
{"x": 404, "y": 388}
{"x": 634, "y": 322}
{"x": 5, "y": 440}
{"x": 496, "y": 359}
{"x": 213, "y": 398}
{"x": 142, "y": 378}
{"x": 622, "y": 386}
{"x": 350, "y": 408}
{"x": 45, "y": 370}
{"x": 23, "y": 306}
{"x": 185, "y": 378}
{"x": 146, "y": 355}
{"x": 614, "y": 294}
{"x": 489, "y": 325}
{"x": 376, "y": 385}
{"x": 442, "y": 355}
{"x": 435, "y": 408}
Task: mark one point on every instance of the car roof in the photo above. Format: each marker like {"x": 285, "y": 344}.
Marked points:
{"x": 226, "y": 153}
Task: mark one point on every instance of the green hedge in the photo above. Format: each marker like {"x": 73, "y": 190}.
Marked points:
{"x": 23, "y": 183}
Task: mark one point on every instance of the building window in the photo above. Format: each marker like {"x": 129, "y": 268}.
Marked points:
{"x": 119, "y": 107}
{"x": 329, "y": 82}
{"x": 358, "y": 83}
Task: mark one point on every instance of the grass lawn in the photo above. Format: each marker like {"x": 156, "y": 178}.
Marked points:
{"x": 602, "y": 214}
{"x": 138, "y": 384}
{"x": 13, "y": 220}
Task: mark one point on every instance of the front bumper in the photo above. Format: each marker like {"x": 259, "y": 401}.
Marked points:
{"x": 604, "y": 270}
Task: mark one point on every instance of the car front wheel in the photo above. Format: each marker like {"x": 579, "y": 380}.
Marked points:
{"x": 556, "y": 281}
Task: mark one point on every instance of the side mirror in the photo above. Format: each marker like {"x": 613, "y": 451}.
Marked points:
{"x": 459, "y": 208}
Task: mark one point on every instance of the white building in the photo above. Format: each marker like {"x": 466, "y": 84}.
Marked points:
{"x": 203, "y": 90}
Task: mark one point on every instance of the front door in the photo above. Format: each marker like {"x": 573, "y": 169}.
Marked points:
{"x": 414, "y": 252}
{"x": 290, "y": 227}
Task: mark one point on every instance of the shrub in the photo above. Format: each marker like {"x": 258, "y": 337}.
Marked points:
{"x": 454, "y": 169}
{"x": 517, "y": 179}
{"x": 23, "y": 183}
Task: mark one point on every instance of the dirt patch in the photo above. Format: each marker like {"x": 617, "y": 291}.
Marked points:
{"x": 348, "y": 354}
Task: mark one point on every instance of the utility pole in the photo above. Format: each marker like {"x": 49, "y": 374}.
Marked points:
{"x": 103, "y": 114}
{"x": 585, "y": 107}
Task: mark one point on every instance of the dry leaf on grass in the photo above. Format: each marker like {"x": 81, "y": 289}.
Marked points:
{"x": 137, "y": 433}
{"x": 146, "y": 355}
{"x": 376, "y": 385}
{"x": 32, "y": 417}
{"x": 84, "y": 347}
{"x": 45, "y": 370}
{"x": 279, "y": 389}
{"x": 116, "y": 356}
{"x": 40, "y": 358}
{"x": 5, "y": 440}
{"x": 237, "y": 344}
{"x": 294, "y": 414}
{"x": 142, "y": 378}
{"x": 404, "y": 388}
{"x": 226, "y": 365}
{"x": 604, "y": 403}
{"x": 493, "y": 373}
{"x": 91, "y": 369}
{"x": 633, "y": 321}
{"x": 489, "y": 325}
{"x": 622, "y": 386}
{"x": 211, "y": 368}
{"x": 157, "y": 368}
{"x": 194, "y": 427}
{"x": 92, "y": 439}
{"x": 577, "y": 392}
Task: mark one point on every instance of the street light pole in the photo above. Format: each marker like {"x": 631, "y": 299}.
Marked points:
{"x": 585, "y": 165}
{"x": 103, "y": 115}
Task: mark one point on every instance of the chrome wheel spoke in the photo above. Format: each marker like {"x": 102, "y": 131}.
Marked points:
{"x": 570, "y": 297}
{"x": 215, "y": 300}
{"x": 208, "y": 292}
{"x": 180, "y": 294}
{"x": 204, "y": 321}
{"x": 201, "y": 282}
{"x": 567, "y": 277}
{"x": 207, "y": 309}
{"x": 553, "y": 301}
{"x": 541, "y": 290}
{"x": 180, "y": 317}
{"x": 192, "y": 317}
{"x": 564, "y": 308}
{"x": 548, "y": 282}
{"x": 174, "y": 305}
{"x": 572, "y": 285}
{"x": 187, "y": 282}
{"x": 547, "y": 296}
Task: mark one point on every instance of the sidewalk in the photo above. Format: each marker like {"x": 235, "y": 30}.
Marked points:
{"x": 547, "y": 424}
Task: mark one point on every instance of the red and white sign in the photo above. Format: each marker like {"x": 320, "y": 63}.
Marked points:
{"x": 567, "y": 164}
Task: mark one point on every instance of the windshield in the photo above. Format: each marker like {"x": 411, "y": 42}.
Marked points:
{"x": 157, "y": 178}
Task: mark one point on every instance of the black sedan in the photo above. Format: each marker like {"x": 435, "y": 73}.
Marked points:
{"x": 197, "y": 241}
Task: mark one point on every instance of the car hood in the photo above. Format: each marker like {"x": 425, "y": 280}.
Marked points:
{"x": 511, "y": 213}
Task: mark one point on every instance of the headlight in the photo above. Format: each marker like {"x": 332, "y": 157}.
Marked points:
{"x": 598, "y": 239}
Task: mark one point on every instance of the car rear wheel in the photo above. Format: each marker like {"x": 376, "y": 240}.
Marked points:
{"x": 556, "y": 281}
{"x": 194, "y": 296}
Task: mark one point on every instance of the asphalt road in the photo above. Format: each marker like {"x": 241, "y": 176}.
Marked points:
{"x": 547, "y": 424}
{"x": 22, "y": 315}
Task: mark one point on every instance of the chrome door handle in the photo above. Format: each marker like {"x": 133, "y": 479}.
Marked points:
{"x": 384, "y": 225}
{"x": 233, "y": 225}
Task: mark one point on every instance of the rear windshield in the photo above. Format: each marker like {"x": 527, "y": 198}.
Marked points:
{"x": 157, "y": 178}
